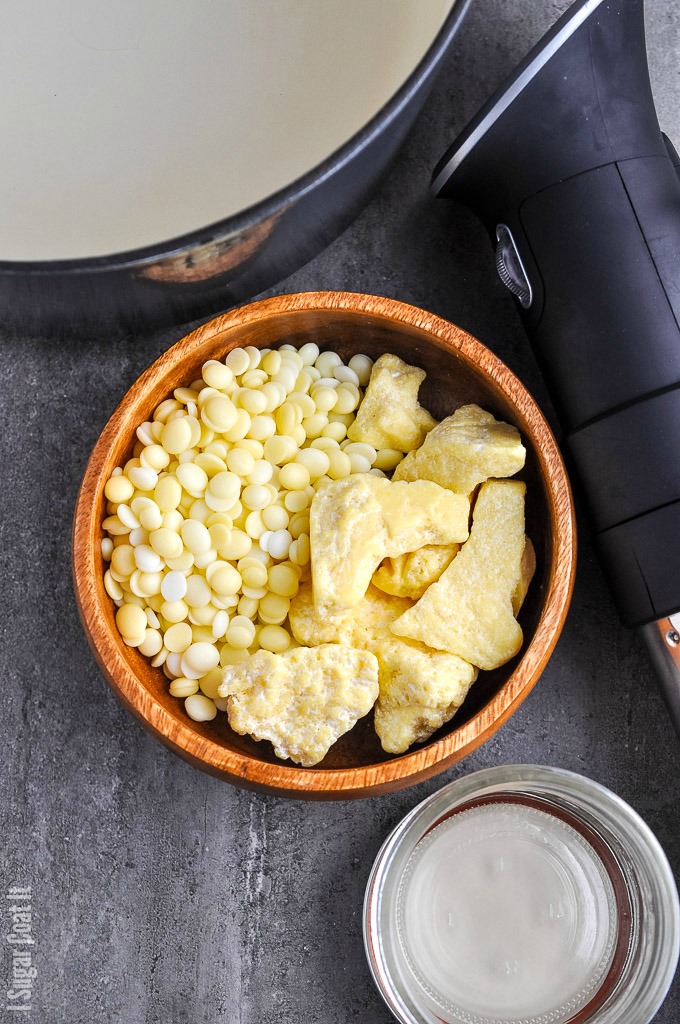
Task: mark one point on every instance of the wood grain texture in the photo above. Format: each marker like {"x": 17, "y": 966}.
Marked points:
{"x": 459, "y": 370}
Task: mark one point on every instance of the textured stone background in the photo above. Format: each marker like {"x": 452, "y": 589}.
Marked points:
{"x": 163, "y": 895}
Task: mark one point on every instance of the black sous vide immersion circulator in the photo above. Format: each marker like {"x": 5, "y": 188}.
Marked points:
{"x": 567, "y": 168}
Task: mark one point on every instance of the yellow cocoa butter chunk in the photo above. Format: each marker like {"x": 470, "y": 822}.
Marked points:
{"x": 465, "y": 450}
{"x": 527, "y": 568}
{"x": 469, "y": 610}
{"x": 390, "y": 415}
{"x": 421, "y": 692}
{"x": 303, "y": 701}
{"x": 355, "y": 523}
{"x": 311, "y": 628}
{"x": 347, "y": 539}
{"x": 411, "y": 574}
{"x": 420, "y": 688}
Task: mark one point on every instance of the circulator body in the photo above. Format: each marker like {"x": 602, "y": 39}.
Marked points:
{"x": 568, "y": 169}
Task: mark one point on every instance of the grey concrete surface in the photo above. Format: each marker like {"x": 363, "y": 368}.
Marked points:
{"x": 163, "y": 896}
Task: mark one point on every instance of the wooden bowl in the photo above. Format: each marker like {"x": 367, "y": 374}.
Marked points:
{"x": 459, "y": 370}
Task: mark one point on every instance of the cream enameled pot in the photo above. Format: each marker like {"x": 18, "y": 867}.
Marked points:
{"x": 163, "y": 161}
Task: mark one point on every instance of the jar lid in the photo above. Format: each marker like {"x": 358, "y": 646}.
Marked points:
{"x": 522, "y": 895}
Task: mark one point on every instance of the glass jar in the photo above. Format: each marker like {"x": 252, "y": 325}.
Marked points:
{"x": 522, "y": 895}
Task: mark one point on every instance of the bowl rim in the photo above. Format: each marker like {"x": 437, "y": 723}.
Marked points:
{"x": 415, "y": 765}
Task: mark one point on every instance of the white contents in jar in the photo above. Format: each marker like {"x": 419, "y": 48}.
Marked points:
{"x": 506, "y": 913}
